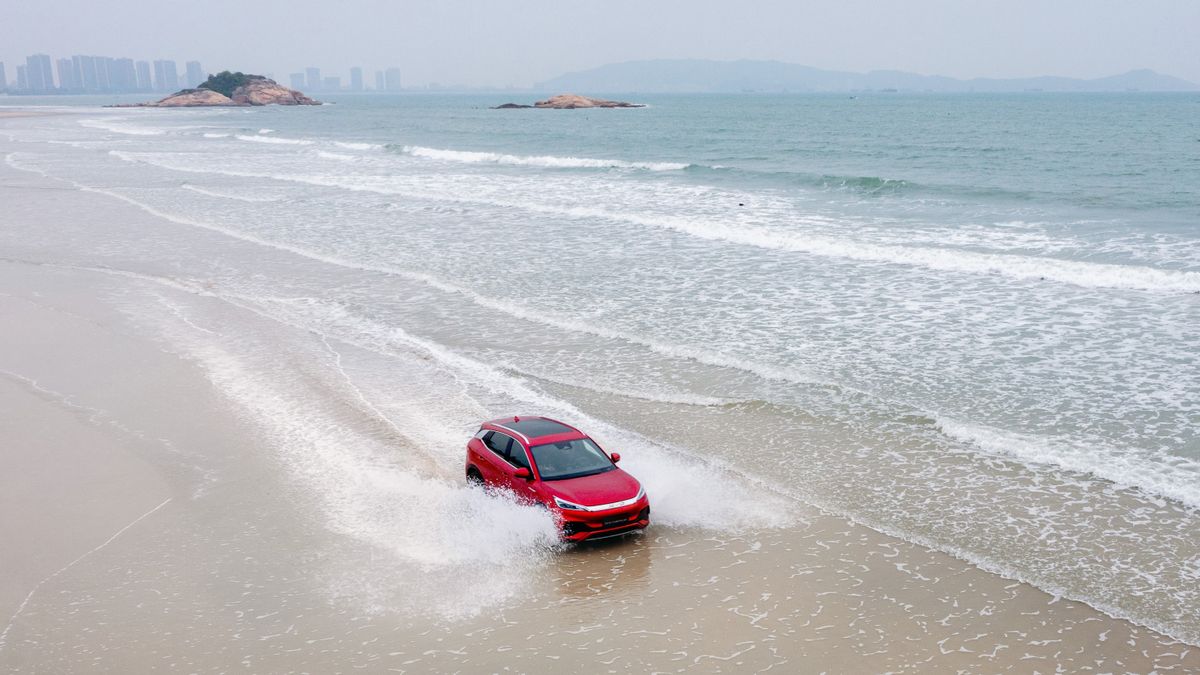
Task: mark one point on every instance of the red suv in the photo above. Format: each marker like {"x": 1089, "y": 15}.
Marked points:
{"x": 551, "y": 463}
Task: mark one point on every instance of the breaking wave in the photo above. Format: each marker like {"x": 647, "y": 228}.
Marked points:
{"x": 118, "y": 128}
{"x": 358, "y": 146}
{"x": 544, "y": 161}
{"x": 1014, "y": 266}
{"x": 274, "y": 140}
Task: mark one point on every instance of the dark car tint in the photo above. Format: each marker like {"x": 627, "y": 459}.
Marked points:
{"x": 497, "y": 443}
{"x": 516, "y": 456}
{"x": 508, "y": 448}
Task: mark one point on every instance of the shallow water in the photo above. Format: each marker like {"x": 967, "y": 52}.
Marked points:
{"x": 968, "y": 322}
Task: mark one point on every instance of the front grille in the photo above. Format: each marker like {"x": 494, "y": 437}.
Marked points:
{"x": 615, "y": 533}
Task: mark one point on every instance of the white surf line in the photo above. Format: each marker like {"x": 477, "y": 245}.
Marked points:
{"x": 1078, "y": 273}
{"x": 21, "y": 608}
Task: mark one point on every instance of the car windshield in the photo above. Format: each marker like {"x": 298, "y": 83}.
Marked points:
{"x": 570, "y": 459}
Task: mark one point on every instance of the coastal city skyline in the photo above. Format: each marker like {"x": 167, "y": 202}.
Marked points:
{"x": 488, "y": 45}
{"x": 42, "y": 74}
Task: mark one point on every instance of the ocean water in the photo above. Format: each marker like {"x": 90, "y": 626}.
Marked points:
{"x": 970, "y": 321}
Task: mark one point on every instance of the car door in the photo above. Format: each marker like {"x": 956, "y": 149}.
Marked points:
{"x": 494, "y": 466}
{"x": 518, "y": 458}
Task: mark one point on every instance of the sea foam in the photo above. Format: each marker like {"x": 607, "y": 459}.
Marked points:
{"x": 274, "y": 140}
{"x": 748, "y": 233}
{"x": 544, "y": 161}
{"x": 116, "y": 127}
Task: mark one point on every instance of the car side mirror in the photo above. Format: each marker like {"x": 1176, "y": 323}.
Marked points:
{"x": 523, "y": 473}
{"x": 616, "y": 457}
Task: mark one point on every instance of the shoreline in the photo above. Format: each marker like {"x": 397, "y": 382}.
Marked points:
{"x": 76, "y": 334}
{"x": 14, "y": 114}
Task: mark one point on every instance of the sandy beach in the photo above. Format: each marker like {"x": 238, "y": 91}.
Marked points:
{"x": 13, "y": 114}
{"x": 164, "y": 432}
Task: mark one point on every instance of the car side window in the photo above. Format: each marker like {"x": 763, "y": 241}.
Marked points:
{"x": 497, "y": 443}
{"x": 516, "y": 455}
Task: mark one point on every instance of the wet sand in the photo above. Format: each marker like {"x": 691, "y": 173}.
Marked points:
{"x": 13, "y": 114}
{"x": 150, "y": 522}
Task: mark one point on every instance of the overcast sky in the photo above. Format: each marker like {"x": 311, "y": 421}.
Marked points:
{"x": 521, "y": 42}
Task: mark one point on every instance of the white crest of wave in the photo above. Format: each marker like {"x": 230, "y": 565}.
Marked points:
{"x": 358, "y": 146}
{"x": 215, "y": 135}
{"x": 1078, "y": 273}
{"x": 116, "y": 127}
{"x": 275, "y": 140}
{"x": 546, "y": 161}
{"x": 747, "y": 232}
{"x": 335, "y": 156}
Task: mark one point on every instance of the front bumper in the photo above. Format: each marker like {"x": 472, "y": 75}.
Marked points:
{"x": 602, "y": 525}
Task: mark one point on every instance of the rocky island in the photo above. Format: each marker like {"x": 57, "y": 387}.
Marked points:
{"x": 571, "y": 102}
{"x": 230, "y": 89}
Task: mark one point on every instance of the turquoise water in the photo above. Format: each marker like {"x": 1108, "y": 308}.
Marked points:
{"x": 967, "y": 320}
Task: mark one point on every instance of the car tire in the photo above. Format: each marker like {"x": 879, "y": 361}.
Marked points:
{"x": 474, "y": 477}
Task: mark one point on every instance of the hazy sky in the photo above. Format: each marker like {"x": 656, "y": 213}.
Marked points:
{"x": 519, "y": 43}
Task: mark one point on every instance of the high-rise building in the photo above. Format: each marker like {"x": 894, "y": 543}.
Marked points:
{"x": 165, "y": 77}
{"x": 297, "y": 80}
{"x": 38, "y": 73}
{"x": 195, "y": 75}
{"x": 313, "y": 77}
{"x": 3, "y": 78}
{"x": 124, "y": 76}
{"x": 356, "y": 79}
{"x": 87, "y": 72}
{"x": 103, "y": 72}
{"x": 331, "y": 83}
{"x": 380, "y": 83}
{"x": 66, "y": 75}
{"x": 392, "y": 79}
{"x": 77, "y": 71}
{"x": 144, "y": 83}
{"x": 22, "y": 77}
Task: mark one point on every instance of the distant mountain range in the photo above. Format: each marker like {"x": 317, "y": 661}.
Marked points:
{"x": 701, "y": 76}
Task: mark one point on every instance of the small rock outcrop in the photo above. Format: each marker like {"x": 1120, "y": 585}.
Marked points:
{"x": 570, "y": 102}
{"x": 262, "y": 91}
{"x": 573, "y": 101}
{"x": 191, "y": 98}
{"x": 230, "y": 89}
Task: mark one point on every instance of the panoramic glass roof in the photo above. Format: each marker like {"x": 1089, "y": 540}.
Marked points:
{"x": 532, "y": 427}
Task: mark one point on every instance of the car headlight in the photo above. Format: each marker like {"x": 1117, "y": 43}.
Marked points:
{"x": 570, "y": 506}
{"x": 641, "y": 492}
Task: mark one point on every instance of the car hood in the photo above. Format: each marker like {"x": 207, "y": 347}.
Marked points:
{"x": 600, "y": 488}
